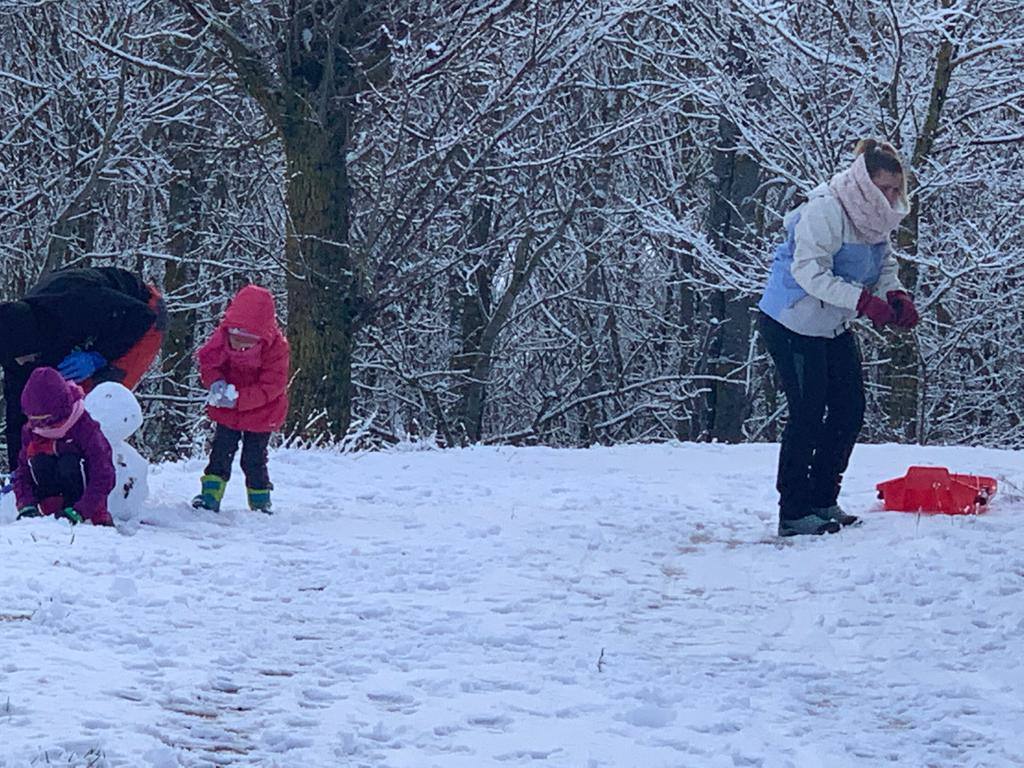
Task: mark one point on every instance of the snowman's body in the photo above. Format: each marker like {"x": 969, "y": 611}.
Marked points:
{"x": 119, "y": 415}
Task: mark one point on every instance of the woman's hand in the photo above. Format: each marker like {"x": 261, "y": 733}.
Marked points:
{"x": 877, "y": 311}
{"x": 903, "y": 306}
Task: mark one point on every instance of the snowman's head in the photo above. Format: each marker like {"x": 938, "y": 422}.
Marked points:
{"x": 116, "y": 409}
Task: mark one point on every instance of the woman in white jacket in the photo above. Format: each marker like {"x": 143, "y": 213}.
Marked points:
{"x": 835, "y": 265}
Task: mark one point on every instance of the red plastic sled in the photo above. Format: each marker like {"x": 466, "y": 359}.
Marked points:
{"x": 935, "y": 489}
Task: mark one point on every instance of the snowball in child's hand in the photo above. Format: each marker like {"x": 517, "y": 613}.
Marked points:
{"x": 223, "y": 395}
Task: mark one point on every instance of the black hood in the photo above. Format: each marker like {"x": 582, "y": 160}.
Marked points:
{"x": 19, "y": 331}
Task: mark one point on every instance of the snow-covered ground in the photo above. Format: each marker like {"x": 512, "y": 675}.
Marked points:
{"x": 504, "y": 607}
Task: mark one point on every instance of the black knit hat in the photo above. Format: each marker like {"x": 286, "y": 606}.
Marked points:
{"x": 19, "y": 331}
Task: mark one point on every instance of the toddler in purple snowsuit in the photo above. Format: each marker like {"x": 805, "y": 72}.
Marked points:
{"x": 65, "y": 465}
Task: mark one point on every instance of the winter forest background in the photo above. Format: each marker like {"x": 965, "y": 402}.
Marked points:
{"x": 521, "y": 222}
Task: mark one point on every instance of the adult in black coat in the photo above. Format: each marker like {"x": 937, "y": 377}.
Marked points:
{"x": 93, "y": 325}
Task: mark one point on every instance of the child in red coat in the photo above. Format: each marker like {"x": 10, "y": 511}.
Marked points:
{"x": 244, "y": 364}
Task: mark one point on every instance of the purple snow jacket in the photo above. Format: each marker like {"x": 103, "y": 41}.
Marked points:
{"x": 63, "y": 428}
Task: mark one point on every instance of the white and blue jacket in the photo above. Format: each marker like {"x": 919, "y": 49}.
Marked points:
{"x": 820, "y": 270}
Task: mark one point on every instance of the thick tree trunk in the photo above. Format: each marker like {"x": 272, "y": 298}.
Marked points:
{"x": 322, "y": 285}
{"x": 731, "y": 222}
{"x": 473, "y": 300}
{"x": 905, "y": 373}
{"x": 184, "y": 202}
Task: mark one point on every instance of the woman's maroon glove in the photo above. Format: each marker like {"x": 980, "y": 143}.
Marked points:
{"x": 903, "y": 306}
{"x": 876, "y": 310}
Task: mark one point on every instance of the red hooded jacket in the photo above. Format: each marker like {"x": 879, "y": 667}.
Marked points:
{"x": 260, "y": 374}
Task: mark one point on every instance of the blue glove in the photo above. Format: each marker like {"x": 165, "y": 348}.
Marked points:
{"x": 79, "y": 365}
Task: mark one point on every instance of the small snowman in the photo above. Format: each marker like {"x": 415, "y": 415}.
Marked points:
{"x": 120, "y": 415}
